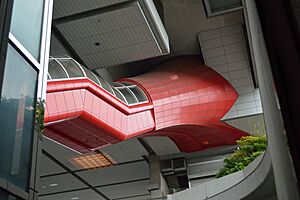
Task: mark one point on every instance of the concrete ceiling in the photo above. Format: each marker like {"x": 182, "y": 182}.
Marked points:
{"x": 62, "y": 180}
{"x": 108, "y": 33}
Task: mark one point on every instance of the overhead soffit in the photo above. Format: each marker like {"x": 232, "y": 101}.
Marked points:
{"x": 63, "y": 8}
{"x": 111, "y": 35}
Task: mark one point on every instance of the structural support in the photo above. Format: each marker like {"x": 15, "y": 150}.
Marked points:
{"x": 286, "y": 184}
{"x": 158, "y": 187}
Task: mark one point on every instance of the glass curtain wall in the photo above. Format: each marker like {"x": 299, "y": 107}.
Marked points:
{"x": 24, "y": 61}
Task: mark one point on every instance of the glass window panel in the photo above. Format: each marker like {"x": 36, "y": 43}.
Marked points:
{"x": 127, "y": 94}
{"x": 90, "y": 75}
{"x": 17, "y": 119}
{"x": 105, "y": 85}
{"x": 26, "y": 24}
{"x": 71, "y": 67}
{"x": 119, "y": 95}
{"x": 140, "y": 95}
{"x": 223, "y": 5}
{"x": 55, "y": 70}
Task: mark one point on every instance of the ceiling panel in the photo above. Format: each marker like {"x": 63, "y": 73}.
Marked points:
{"x": 101, "y": 23}
{"x": 136, "y": 188}
{"x": 122, "y": 55}
{"x": 56, "y": 48}
{"x": 64, "y": 8}
{"x": 59, "y": 152}
{"x": 122, "y": 34}
{"x": 126, "y": 151}
{"x": 87, "y": 194}
{"x": 47, "y": 166}
{"x": 162, "y": 145}
{"x": 112, "y": 40}
{"x": 116, "y": 174}
{"x": 141, "y": 197}
{"x": 59, "y": 183}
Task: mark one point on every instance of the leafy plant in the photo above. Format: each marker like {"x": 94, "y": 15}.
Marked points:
{"x": 39, "y": 116}
{"x": 249, "y": 148}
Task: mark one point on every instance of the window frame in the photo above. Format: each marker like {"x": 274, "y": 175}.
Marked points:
{"x": 209, "y": 12}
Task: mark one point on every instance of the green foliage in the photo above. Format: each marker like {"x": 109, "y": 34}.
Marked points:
{"x": 249, "y": 148}
{"x": 39, "y": 116}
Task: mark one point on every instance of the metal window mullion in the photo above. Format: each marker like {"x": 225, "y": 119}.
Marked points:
{"x": 80, "y": 68}
{"x": 49, "y": 76}
{"x": 132, "y": 94}
{"x": 97, "y": 79}
{"x": 111, "y": 88}
{"x": 123, "y": 96}
{"x": 62, "y": 67}
{"x": 23, "y": 51}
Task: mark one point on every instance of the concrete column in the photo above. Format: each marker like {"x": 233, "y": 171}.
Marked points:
{"x": 158, "y": 187}
{"x": 285, "y": 179}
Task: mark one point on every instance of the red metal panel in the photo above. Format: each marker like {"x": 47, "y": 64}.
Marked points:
{"x": 187, "y": 101}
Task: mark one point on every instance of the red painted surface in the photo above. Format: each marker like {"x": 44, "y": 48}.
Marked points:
{"x": 187, "y": 101}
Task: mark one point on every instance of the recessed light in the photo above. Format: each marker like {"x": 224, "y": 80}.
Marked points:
{"x": 97, "y": 44}
{"x": 75, "y": 198}
{"x": 44, "y": 186}
{"x": 53, "y": 184}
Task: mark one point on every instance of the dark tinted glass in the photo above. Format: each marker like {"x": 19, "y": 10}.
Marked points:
{"x": 90, "y": 75}
{"x": 130, "y": 99}
{"x": 55, "y": 70}
{"x": 71, "y": 67}
{"x": 140, "y": 95}
{"x": 118, "y": 95}
{"x": 222, "y": 5}
{"x": 17, "y": 119}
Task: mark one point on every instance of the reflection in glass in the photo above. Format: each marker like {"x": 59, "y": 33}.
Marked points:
{"x": 71, "y": 67}
{"x": 129, "y": 97}
{"x": 55, "y": 70}
{"x": 90, "y": 75}
{"x": 126, "y": 92}
{"x": 26, "y": 24}
{"x": 140, "y": 95}
{"x": 17, "y": 119}
{"x": 119, "y": 95}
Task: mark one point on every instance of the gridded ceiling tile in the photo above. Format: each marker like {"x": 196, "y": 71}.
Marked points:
{"x": 64, "y": 8}
{"x": 120, "y": 35}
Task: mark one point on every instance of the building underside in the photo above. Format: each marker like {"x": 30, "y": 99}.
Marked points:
{"x": 144, "y": 99}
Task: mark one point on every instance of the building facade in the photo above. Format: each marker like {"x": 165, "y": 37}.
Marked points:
{"x": 105, "y": 117}
{"x": 25, "y": 37}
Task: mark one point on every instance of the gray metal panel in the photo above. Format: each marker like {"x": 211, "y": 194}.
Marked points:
{"x": 122, "y": 55}
{"x": 112, "y": 40}
{"x": 68, "y": 7}
{"x": 102, "y": 23}
{"x": 122, "y": 34}
{"x": 126, "y": 190}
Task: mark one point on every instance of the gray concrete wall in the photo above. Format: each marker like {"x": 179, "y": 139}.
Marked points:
{"x": 277, "y": 143}
{"x": 235, "y": 186}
